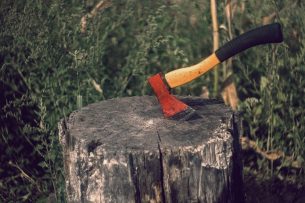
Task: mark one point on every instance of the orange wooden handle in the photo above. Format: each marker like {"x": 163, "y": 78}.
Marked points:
{"x": 184, "y": 75}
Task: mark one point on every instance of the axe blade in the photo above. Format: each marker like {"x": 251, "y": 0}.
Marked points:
{"x": 171, "y": 106}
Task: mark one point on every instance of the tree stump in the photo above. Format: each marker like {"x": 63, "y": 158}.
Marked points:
{"x": 124, "y": 150}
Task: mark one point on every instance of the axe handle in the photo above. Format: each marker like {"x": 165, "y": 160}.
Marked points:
{"x": 265, "y": 34}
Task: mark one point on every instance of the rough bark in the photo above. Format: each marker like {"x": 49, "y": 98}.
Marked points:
{"x": 123, "y": 150}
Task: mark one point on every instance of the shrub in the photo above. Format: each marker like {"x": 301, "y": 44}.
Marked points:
{"x": 50, "y": 67}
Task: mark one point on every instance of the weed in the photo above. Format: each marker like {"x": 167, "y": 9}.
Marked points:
{"x": 50, "y": 67}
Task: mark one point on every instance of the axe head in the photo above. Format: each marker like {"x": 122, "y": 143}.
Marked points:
{"x": 171, "y": 106}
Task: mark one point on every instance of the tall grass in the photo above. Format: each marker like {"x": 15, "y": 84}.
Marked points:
{"x": 50, "y": 67}
{"x": 271, "y": 85}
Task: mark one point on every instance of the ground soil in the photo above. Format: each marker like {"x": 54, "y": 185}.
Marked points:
{"x": 259, "y": 189}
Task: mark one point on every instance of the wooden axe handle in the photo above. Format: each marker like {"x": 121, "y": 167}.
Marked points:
{"x": 265, "y": 34}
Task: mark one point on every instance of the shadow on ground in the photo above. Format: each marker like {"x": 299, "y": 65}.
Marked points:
{"x": 260, "y": 190}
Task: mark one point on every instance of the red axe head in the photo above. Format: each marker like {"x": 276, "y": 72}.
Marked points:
{"x": 171, "y": 107}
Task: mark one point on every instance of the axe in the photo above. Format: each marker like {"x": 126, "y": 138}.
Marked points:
{"x": 175, "y": 109}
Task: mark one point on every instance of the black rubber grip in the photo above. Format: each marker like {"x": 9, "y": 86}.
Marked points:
{"x": 271, "y": 33}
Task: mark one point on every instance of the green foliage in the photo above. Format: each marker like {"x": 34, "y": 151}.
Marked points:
{"x": 272, "y": 88}
{"x": 50, "y": 68}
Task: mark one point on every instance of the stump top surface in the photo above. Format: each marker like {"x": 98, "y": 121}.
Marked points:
{"x": 137, "y": 123}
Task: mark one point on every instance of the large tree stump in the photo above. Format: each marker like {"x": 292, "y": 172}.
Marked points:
{"x": 123, "y": 150}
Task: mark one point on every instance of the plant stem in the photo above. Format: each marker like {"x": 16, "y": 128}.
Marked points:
{"x": 215, "y": 41}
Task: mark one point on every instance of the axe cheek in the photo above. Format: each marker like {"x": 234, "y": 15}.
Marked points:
{"x": 169, "y": 104}
{"x": 172, "y": 106}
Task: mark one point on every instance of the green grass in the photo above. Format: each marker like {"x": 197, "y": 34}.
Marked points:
{"x": 49, "y": 68}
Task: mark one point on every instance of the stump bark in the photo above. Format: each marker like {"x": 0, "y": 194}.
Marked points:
{"x": 123, "y": 150}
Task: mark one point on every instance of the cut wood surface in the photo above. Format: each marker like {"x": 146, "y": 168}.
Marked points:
{"x": 123, "y": 150}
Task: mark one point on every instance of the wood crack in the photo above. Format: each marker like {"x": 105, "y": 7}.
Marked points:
{"x": 133, "y": 173}
{"x": 161, "y": 168}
